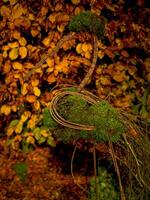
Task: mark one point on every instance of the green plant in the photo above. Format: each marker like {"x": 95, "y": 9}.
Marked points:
{"x": 102, "y": 115}
{"x": 88, "y": 21}
{"x": 21, "y": 170}
{"x": 106, "y": 186}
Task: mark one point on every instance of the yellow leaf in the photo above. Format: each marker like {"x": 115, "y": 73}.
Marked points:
{"x": 24, "y": 90}
{"x": 14, "y": 108}
{"x": 19, "y": 127}
{"x": 6, "y": 67}
{"x": 34, "y": 32}
{"x": 36, "y": 91}
{"x": 17, "y": 65}
{"x": 119, "y": 77}
{"x": 79, "y": 48}
{"x": 32, "y": 122}
{"x": 13, "y": 54}
{"x": 44, "y": 133}
{"x": 75, "y": 2}
{"x": 5, "y": 47}
{"x": 46, "y": 41}
{"x": 85, "y": 47}
{"x": 87, "y": 55}
{"x": 50, "y": 62}
{"x": 22, "y": 41}
{"x": 100, "y": 54}
{"x": 30, "y": 140}
{"x": 28, "y": 65}
{"x": 105, "y": 80}
{"x": 9, "y": 131}
{"x": 35, "y": 82}
{"x": 60, "y": 28}
{"x": 5, "y": 54}
{"x": 17, "y": 11}
{"x": 25, "y": 116}
{"x": 5, "y": 109}
{"x": 13, "y": 45}
{"x": 36, "y": 105}
{"x": 23, "y": 52}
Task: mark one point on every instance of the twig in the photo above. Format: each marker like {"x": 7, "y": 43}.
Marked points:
{"x": 117, "y": 170}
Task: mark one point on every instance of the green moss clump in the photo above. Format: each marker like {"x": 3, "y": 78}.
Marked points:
{"x": 21, "y": 170}
{"x": 102, "y": 115}
{"x": 88, "y": 21}
{"x": 48, "y": 121}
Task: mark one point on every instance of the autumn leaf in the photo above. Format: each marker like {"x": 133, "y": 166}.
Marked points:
{"x": 79, "y": 48}
{"x": 23, "y": 52}
{"x": 7, "y": 67}
{"x": 5, "y": 109}
{"x": 35, "y": 82}
{"x": 30, "y": 140}
{"x": 24, "y": 90}
{"x": 36, "y": 91}
{"x": 37, "y": 105}
{"x": 19, "y": 127}
{"x": 25, "y": 116}
{"x": 51, "y": 78}
{"x": 17, "y": 65}
{"x": 32, "y": 122}
{"x": 44, "y": 133}
{"x": 22, "y": 41}
{"x": 30, "y": 98}
{"x": 10, "y": 131}
{"x": 13, "y": 54}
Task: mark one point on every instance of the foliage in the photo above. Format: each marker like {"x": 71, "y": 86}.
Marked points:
{"x": 88, "y": 21}
{"x": 21, "y": 170}
{"x": 106, "y": 187}
{"x": 29, "y": 130}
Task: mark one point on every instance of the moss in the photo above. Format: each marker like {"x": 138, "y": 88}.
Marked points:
{"x": 21, "y": 170}
{"x": 102, "y": 115}
{"x": 106, "y": 186}
{"x": 48, "y": 120}
{"x": 88, "y": 21}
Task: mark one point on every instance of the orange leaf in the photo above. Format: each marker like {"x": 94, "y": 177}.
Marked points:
{"x": 51, "y": 78}
{"x": 23, "y": 52}
{"x": 124, "y": 54}
{"x": 13, "y": 54}
{"x": 6, "y": 67}
{"x": 22, "y": 41}
{"x": 17, "y": 65}
{"x": 30, "y": 98}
